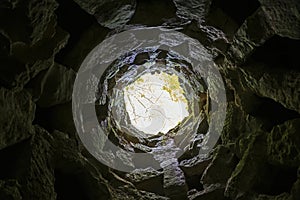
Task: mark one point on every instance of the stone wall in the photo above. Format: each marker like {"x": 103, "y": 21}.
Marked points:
{"x": 255, "y": 44}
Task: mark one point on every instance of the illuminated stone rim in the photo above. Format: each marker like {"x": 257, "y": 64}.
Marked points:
{"x": 120, "y": 128}
{"x": 119, "y": 107}
{"x": 92, "y": 68}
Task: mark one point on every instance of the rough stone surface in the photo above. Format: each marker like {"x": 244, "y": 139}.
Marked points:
{"x": 272, "y": 18}
{"x": 232, "y": 127}
{"x": 214, "y": 191}
{"x": 69, "y": 162}
{"x": 27, "y": 61}
{"x": 295, "y": 192}
{"x": 220, "y": 168}
{"x": 147, "y": 179}
{"x": 40, "y": 14}
{"x": 128, "y": 192}
{"x": 174, "y": 182}
{"x": 283, "y": 16}
{"x": 255, "y": 45}
{"x": 38, "y": 174}
{"x": 247, "y": 171}
{"x": 17, "y": 115}
{"x": 195, "y": 165}
{"x": 279, "y": 85}
{"x": 111, "y": 14}
{"x": 29, "y": 21}
{"x": 10, "y": 189}
{"x": 88, "y": 40}
{"x": 284, "y": 196}
{"x": 284, "y": 144}
{"x": 192, "y": 9}
{"x": 57, "y": 86}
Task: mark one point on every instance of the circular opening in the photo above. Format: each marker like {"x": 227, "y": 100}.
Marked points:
{"x": 155, "y": 102}
{"x": 152, "y": 94}
{"x": 102, "y": 114}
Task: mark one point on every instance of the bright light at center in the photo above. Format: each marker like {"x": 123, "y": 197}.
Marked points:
{"x": 155, "y": 102}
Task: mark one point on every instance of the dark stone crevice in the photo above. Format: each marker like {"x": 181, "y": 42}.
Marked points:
{"x": 73, "y": 19}
{"x": 14, "y": 160}
{"x": 193, "y": 182}
{"x": 275, "y": 180}
{"x": 153, "y": 12}
{"x": 155, "y": 186}
{"x": 270, "y": 112}
{"x": 69, "y": 186}
{"x": 77, "y": 180}
{"x": 41, "y": 118}
{"x": 10, "y": 66}
{"x": 16, "y": 25}
{"x": 278, "y": 52}
{"x": 57, "y": 117}
{"x": 230, "y": 15}
{"x": 237, "y": 10}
